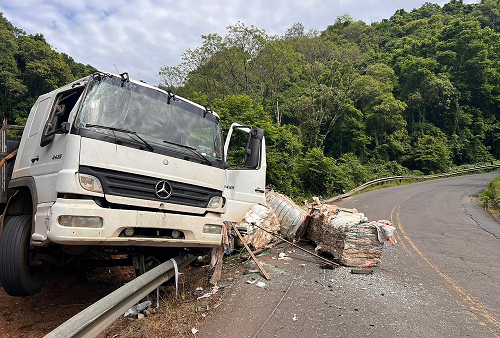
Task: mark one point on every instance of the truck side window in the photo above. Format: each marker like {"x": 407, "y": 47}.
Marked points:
{"x": 239, "y": 151}
{"x": 63, "y": 104}
{"x": 38, "y": 117}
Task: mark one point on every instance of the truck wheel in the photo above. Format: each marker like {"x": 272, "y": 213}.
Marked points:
{"x": 16, "y": 276}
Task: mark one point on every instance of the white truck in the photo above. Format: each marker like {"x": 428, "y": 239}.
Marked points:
{"x": 109, "y": 162}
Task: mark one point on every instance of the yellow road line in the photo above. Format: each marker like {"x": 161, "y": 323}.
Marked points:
{"x": 400, "y": 240}
{"x": 476, "y": 308}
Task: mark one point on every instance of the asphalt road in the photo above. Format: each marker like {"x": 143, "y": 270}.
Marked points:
{"x": 441, "y": 279}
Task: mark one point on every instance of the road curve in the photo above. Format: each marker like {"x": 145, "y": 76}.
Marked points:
{"x": 452, "y": 241}
{"x": 440, "y": 280}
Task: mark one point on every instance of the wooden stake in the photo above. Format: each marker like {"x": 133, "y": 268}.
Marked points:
{"x": 261, "y": 268}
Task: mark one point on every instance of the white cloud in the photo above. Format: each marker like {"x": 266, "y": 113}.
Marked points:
{"x": 141, "y": 36}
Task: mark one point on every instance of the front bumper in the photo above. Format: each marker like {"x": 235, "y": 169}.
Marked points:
{"x": 116, "y": 220}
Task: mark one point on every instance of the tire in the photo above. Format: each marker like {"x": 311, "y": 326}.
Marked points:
{"x": 17, "y": 278}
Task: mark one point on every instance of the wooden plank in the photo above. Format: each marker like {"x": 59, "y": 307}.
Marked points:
{"x": 261, "y": 268}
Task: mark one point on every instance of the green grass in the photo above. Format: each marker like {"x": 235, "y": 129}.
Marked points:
{"x": 490, "y": 197}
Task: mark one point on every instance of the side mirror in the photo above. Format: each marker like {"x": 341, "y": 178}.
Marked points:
{"x": 51, "y": 128}
{"x": 253, "y": 148}
{"x": 64, "y": 128}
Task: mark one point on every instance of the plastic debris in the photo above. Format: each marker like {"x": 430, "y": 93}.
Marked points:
{"x": 194, "y": 330}
{"x": 294, "y": 318}
{"x": 261, "y": 284}
{"x": 176, "y": 270}
{"x": 136, "y": 309}
{"x": 209, "y": 294}
{"x": 199, "y": 289}
{"x": 230, "y": 247}
{"x": 284, "y": 257}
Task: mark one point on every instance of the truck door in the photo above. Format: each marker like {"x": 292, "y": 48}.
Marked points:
{"x": 45, "y": 141}
{"x": 245, "y": 154}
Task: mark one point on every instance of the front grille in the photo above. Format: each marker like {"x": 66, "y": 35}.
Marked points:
{"x": 124, "y": 184}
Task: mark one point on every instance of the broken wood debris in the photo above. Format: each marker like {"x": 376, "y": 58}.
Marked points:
{"x": 261, "y": 268}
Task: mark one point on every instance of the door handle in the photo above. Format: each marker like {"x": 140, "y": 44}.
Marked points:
{"x": 259, "y": 190}
{"x": 34, "y": 159}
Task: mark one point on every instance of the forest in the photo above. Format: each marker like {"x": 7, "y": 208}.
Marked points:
{"x": 418, "y": 92}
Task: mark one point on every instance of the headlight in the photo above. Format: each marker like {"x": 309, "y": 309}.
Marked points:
{"x": 90, "y": 183}
{"x": 212, "y": 229}
{"x": 215, "y": 202}
{"x": 80, "y": 221}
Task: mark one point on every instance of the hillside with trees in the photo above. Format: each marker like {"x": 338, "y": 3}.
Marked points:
{"x": 29, "y": 67}
{"x": 417, "y": 92}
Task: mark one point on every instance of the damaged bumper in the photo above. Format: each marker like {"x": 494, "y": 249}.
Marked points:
{"x": 149, "y": 228}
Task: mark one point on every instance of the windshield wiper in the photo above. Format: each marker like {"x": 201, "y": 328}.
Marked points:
{"x": 125, "y": 131}
{"x": 193, "y": 150}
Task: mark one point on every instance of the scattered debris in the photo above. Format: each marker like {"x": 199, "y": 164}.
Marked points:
{"x": 217, "y": 255}
{"x": 261, "y": 284}
{"x": 209, "y": 294}
{"x": 326, "y": 266}
{"x": 261, "y": 268}
{"x": 194, "y": 331}
{"x": 136, "y": 309}
{"x": 202, "y": 308}
{"x": 149, "y": 312}
{"x": 294, "y": 318}
{"x": 283, "y": 256}
{"x": 361, "y": 272}
{"x": 251, "y": 281}
{"x": 305, "y": 250}
{"x": 317, "y": 281}
{"x": 252, "y": 272}
{"x": 140, "y": 316}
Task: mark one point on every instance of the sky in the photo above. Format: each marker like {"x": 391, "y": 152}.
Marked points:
{"x": 140, "y": 36}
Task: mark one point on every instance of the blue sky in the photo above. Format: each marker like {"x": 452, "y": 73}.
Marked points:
{"x": 140, "y": 36}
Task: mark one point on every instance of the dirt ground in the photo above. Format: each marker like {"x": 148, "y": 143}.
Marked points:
{"x": 67, "y": 292}
{"x": 178, "y": 317}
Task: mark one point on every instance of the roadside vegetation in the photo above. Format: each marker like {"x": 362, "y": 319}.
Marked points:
{"x": 490, "y": 197}
{"x": 416, "y": 93}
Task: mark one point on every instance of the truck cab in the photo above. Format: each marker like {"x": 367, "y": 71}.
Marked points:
{"x": 107, "y": 161}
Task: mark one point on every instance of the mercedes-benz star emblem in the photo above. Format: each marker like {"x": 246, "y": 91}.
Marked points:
{"x": 163, "y": 190}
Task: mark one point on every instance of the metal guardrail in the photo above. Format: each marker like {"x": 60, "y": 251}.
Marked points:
{"x": 97, "y": 317}
{"x": 422, "y": 177}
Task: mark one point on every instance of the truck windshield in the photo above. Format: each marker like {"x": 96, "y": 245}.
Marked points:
{"x": 166, "y": 122}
